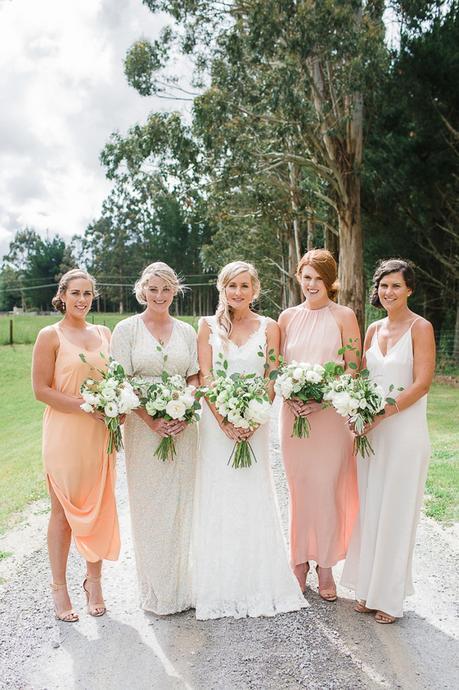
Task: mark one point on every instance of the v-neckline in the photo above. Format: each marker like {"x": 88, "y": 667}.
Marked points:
{"x": 257, "y": 330}
{"x": 163, "y": 345}
{"x": 393, "y": 346}
{"x": 80, "y": 347}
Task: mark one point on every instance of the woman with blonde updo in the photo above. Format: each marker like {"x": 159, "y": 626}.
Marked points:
{"x": 320, "y": 470}
{"x": 160, "y": 493}
{"x": 240, "y": 564}
{"x": 79, "y": 472}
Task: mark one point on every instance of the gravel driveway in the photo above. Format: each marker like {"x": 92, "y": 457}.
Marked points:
{"x": 324, "y": 646}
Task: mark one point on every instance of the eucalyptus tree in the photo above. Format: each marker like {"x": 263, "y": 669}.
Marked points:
{"x": 300, "y": 69}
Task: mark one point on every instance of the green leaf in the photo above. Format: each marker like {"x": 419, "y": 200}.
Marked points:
{"x": 352, "y": 365}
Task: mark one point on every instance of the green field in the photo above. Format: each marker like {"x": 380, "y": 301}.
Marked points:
{"x": 21, "y": 478}
{"x": 25, "y": 327}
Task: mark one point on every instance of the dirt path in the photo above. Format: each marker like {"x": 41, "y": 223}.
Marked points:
{"x": 325, "y": 646}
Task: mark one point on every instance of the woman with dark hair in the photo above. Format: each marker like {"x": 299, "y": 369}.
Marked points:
{"x": 80, "y": 473}
{"x": 321, "y": 468}
{"x": 399, "y": 350}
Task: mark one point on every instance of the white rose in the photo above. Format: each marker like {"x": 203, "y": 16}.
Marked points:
{"x": 258, "y": 412}
{"x": 234, "y": 417}
{"x": 111, "y": 409}
{"x": 111, "y": 383}
{"x": 340, "y": 402}
{"x": 108, "y": 393}
{"x": 188, "y": 400}
{"x": 86, "y": 407}
{"x": 313, "y": 377}
{"x": 175, "y": 409}
{"x": 223, "y": 410}
{"x": 128, "y": 400}
{"x": 298, "y": 374}
{"x": 90, "y": 398}
{"x": 286, "y": 388}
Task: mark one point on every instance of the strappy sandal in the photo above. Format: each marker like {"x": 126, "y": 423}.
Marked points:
{"x": 326, "y": 594}
{"x": 361, "y": 607}
{"x": 98, "y": 609}
{"x": 66, "y": 616}
{"x": 384, "y": 618}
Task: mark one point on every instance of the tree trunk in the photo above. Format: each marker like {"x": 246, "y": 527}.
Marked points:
{"x": 331, "y": 242}
{"x": 311, "y": 225}
{"x": 294, "y": 291}
{"x": 456, "y": 337}
{"x": 351, "y": 276}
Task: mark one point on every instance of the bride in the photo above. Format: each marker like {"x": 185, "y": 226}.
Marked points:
{"x": 240, "y": 565}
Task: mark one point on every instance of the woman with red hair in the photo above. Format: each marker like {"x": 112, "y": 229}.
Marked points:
{"x": 320, "y": 469}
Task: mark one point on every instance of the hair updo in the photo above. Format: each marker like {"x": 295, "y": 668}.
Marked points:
{"x": 224, "y": 312}
{"x": 387, "y": 266}
{"x": 74, "y": 274}
{"x": 158, "y": 269}
{"x": 325, "y": 265}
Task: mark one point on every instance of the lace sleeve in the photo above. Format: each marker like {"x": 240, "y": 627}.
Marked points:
{"x": 121, "y": 345}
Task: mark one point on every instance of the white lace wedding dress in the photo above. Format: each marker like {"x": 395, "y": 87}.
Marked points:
{"x": 239, "y": 559}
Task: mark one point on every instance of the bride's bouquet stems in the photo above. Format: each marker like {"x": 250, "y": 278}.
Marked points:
{"x": 166, "y": 450}
{"x": 301, "y": 427}
{"x": 242, "y": 455}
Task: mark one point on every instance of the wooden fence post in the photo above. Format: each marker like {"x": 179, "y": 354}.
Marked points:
{"x": 11, "y": 331}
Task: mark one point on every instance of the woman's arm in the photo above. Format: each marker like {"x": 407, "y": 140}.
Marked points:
{"x": 350, "y": 335}
{"x": 273, "y": 337}
{"x": 423, "y": 371}
{"x": 43, "y": 364}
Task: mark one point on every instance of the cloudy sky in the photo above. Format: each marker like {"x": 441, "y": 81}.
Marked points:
{"x": 63, "y": 92}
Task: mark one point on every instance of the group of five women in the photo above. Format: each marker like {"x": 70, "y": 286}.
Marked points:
{"x": 208, "y": 536}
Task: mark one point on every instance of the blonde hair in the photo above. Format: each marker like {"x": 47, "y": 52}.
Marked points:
{"x": 75, "y": 273}
{"x": 158, "y": 269}
{"x": 325, "y": 265}
{"x": 224, "y": 311}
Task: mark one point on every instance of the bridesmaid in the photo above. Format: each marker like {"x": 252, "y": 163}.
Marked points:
{"x": 320, "y": 469}
{"x": 79, "y": 473}
{"x": 160, "y": 493}
{"x": 399, "y": 350}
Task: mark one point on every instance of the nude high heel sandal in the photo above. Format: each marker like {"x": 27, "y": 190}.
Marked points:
{"x": 98, "y": 609}
{"x": 66, "y": 616}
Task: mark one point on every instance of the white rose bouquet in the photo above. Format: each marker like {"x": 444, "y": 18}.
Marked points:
{"x": 170, "y": 398}
{"x": 301, "y": 381}
{"x": 241, "y": 399}
{"x": 359, "y": 399}
{"x": 113, "y": 396}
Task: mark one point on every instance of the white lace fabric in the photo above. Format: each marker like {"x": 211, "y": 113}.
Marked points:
{"x": 240, "y": 564}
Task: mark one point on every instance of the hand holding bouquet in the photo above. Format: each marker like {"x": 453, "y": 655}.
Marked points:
{"x": 169, "y": 399}
{"x": 112, "y": 396}
{"x": 300, "y": 381}
{"x": 242, "y": 400}
{"x": 361, "y": 400}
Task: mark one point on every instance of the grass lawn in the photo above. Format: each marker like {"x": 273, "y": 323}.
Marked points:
{"x": 25, "y": 328}
{"x": 21, "y": 477}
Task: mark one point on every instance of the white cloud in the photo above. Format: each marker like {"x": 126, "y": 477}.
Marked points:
{"x": 61, "y": 77}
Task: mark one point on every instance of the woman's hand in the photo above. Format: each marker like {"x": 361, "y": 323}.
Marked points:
{"x": 164, "y": 428}
{"x": 303, "y": 409}
{"x": 235, "y": 433}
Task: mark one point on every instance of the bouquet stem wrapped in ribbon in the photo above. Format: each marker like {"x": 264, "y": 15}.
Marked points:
{"x": 113, "y": 396}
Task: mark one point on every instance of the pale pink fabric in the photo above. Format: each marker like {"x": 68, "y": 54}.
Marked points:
{"x": 77, "y": 465}
{"x": 321, "y": 470}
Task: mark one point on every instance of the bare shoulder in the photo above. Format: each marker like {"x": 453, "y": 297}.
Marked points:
{"x": 422, "y": 328}
{"x": 203, "y": 325}
{"x": 372, "y": 328}
{"x": 286, "y": 315}
{"x": 47, "y": 337}
{"x": 272, "y": 328}
{"x": 106, "y": 331}
{"x": 342, "y": 313}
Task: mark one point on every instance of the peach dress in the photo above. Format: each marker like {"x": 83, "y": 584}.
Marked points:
{"x": 75, "y": 457}
{"x": 321, "y": 470}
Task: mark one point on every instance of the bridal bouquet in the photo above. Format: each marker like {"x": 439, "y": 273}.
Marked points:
{"x": 170, "y": 398}
{"x": 300, "y": 381}
{"x": 113, "y": 395}
{"x": 241, "y": 399}
{"x": 359, "y": 399}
